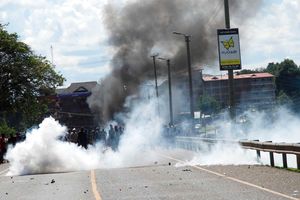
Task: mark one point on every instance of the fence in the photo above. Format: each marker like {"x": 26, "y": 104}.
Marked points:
{"x": 196, "y": 143}
{"x": 269, "y": 146}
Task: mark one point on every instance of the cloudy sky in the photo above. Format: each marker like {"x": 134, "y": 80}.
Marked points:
{"x": 75, "y": 30}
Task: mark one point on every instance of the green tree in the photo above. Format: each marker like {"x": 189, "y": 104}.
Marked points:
{"x": 249, "y": 71}
{"x": 24, "y": 78}
{"x": 287, "y": 80}
{"x": 287, "y": 76}
{"x": 5, "y": 129}
{"x": 209, "y": 105}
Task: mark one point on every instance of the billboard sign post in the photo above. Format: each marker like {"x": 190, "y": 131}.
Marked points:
{"x": 229, "y": 49}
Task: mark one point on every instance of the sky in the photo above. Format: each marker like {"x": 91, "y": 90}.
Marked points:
{"x": 81, "y": 50}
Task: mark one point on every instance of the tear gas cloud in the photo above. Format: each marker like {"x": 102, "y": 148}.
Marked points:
{"x": 136, "y": 30}
{"x": 43, "y": 152}
{"x": 143, "y": 143}
{"x": 280, "y": 125}
{"x": 141, "y": 28}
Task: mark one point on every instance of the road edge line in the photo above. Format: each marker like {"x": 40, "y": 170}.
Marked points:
{"x": 234, "y": 179}
{"x": 4, "y": 171}
{"x": 94, "y": 186}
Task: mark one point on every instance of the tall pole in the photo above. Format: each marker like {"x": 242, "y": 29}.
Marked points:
{"x": 170, "y": 92}
{"x": 187, "y": 40}
{"x": 155, "y": 74}
{"x": 230, "y": 72}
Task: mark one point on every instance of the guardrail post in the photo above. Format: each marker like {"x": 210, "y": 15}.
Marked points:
{"x": 284, "y": 160}
{"x": 272, "y": 159}
{"x": 298, "y": 161}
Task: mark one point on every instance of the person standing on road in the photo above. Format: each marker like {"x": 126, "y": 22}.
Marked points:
{"x": 117, "y": 137}
{"x": 82, "y": 139}
{"x": 2, "y": 147}
{"x": 74, "y": 136}
{"x": 111, "y": 136}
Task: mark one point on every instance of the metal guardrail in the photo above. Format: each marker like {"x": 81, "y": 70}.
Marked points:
{"x": 269, "y": 146}
{"x": 196, "y": 143}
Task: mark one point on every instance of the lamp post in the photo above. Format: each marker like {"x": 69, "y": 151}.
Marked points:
{"x": 155, "y": 74}
{"x": 187, "y": 41}
{"x": 170, "y": 89}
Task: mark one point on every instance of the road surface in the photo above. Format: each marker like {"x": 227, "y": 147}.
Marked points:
{"x": 160, "y": 180}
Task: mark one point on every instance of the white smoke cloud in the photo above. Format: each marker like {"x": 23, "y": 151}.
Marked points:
{"x": 43, "y": 152}
{"x": 280, "y": 125}
{"x": 223, "y": 154}
{"x": 143, "y": 143}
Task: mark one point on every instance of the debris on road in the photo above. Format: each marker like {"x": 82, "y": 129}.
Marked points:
{"x": 187, "y": 170}
{"x": 52, "y": 181}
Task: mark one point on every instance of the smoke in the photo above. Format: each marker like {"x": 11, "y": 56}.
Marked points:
{"x": 43, "y": 152}
{"x": 280, "y": 125}
{"x": 223, "y": 154}
{"x": 277, "y": 125}
{"x": 141, "y": 28}
{"x": 143, "y": 143}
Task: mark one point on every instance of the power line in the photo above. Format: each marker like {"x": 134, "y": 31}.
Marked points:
{"x": 216, "y": 12}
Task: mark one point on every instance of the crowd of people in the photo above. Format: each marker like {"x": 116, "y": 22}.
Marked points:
{"x": 81, "y": 136}
{"x": 84, "y": 136}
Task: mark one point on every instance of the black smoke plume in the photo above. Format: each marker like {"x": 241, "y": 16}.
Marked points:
{"x": 140, "y": 28}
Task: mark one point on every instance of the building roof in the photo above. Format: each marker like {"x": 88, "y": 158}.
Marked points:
{"x": 77, "y": 87}
{"x": 240, "y": 76}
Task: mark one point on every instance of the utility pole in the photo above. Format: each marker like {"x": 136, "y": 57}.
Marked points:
{"x": 187, "y": 40}
{"x": 170, "y": 90}
{"x": 155, "y": 77}
{"x": 188, "y": 51}
{"x": 230, "y": 71}
{"x": 155, "y": 74}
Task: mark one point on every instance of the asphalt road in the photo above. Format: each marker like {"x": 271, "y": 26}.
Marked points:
{"x": 157, "y": 181}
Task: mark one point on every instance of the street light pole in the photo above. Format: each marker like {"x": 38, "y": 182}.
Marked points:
{"x": 155, "y": 74}
{"x": 170, "y": 90}
{"x": 230, "y": 71}
{"x": 187, "y": 41}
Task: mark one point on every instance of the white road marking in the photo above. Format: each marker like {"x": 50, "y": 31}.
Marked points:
{"x": 4, "y": 171}
{"x": 234, "y": 179}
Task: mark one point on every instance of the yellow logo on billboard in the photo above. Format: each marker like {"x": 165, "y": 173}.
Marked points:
{"x": 228, "y": 43}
